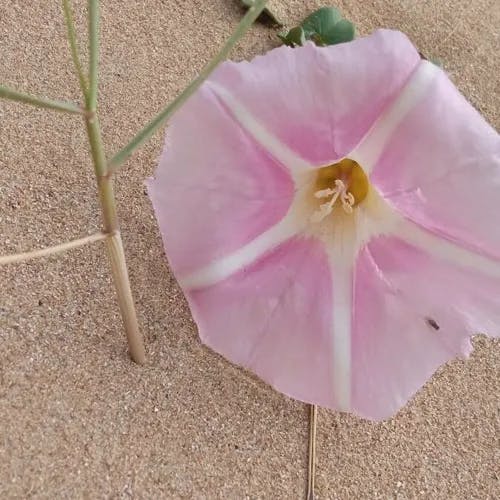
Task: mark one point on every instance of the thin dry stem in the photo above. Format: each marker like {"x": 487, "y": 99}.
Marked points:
{"x": 44, "y": 252}
{"x": 125, "y": 300}
{"x": 311, "y": 469}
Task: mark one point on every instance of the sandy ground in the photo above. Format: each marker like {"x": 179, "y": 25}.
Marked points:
{"x": 77, "y": 418}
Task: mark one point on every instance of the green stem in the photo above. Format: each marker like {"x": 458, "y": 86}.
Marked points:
{"x": 104, "y": 181}
{"x": 142, "y": 136}
{"x": 93, "y": 8}
{"x": 70, "y": 26}
{"x": 40, "y": 102}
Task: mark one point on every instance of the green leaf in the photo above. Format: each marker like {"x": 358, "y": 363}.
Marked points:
{"x": 294, "y": 37}
{"x": 342, "y": 32}
{"x": 326, "y": 26}
{"x": 267, "y": 12}
{"x": 321, "y": 22}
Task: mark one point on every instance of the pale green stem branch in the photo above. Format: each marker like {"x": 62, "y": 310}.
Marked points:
{"x": 39, "y": 102}
{"x": 142, "y": 136}
{"x": 70, "y": 26}
{"x": 93, "y": 8}
{"x": 43, "y": 252}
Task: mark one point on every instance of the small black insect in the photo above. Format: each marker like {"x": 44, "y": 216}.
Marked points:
{"x": 432, "y": 323}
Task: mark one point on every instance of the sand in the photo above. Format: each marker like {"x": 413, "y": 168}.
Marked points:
{"x": 77, "y": 418}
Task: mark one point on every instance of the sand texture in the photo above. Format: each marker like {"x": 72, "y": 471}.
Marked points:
{"x": 77, "y": 418}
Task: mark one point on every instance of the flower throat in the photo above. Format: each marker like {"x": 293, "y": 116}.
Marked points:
{"x": 344, "y": 182}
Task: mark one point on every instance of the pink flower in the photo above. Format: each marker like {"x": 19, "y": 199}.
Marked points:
{"x": 332, "y": 215}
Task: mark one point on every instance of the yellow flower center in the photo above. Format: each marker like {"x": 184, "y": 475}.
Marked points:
{"x": 350, "y": 173}
{"x": 344, "y": 183}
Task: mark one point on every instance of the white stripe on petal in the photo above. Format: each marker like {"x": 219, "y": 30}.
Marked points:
{"x": 342, "y": 281}
{"x": 368, "y": 151}
{"x": 244, "y": 256}
{"x": 286, "y": 156}
{"x": 445, "y": 249}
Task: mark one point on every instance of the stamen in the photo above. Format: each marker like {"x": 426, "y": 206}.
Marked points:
{"x": 350, "y": 198}
{"x": 324, "y": 193}
{"x": 347, "y": 200}
{"x": 339, "y": 191}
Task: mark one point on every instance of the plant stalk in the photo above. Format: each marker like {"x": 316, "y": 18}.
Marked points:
{"x": 107, "y": 198}
{"x": 114, "y": 243}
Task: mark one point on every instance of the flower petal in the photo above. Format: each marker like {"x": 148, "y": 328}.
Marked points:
{"x": 341, "y": 329}
{"x": 224, "y": 267}
{"x": 368, "y": 151}
{"x": 215, "y": 188}
{"x": 320, "y": 101}
{"x": 441, "y": 169}
{"x": 275, "y": 319}
{"x": 413, "y": 312}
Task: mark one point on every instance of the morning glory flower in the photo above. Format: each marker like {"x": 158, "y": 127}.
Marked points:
{"x": 332, "y": 215}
